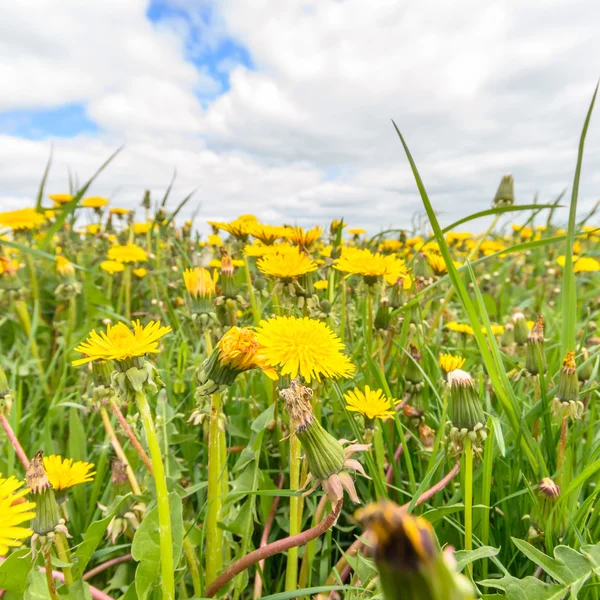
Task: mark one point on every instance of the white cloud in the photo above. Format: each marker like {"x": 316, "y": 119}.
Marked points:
{"x": 479, "y": 89}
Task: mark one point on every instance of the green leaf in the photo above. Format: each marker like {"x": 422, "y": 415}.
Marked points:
{"x": 14, "y": 571}
{"x": 37, "y": 589}
{"x": 146, "y": 575}
{"x": 93, "y": 536}
{"x": 466, "y": 557}
{"x": 528, "y": 588}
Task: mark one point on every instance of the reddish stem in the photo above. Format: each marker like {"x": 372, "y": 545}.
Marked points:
{"x": 106, "y": 565}
{"x": 264, "y": 539}
{"x": 389, "y": 476}
{"x": 131, "y": 436}
{"x": 14, "y": 442}
{"x": 274, "y": 548}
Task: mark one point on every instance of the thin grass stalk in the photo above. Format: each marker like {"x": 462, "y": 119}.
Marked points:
{"x": 214, "y": 535}
{"x": 127, "y": 285}
{"x": 468, "y": 497}
{"x": 486, "y": 492}
{"x": 14, "y": 441}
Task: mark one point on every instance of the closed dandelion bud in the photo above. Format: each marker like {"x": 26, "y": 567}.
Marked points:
{"x": 228, "y": 283}
{"x": 505, "y": 196}
{"x": 547, "y": 494}
{"x": 465, "y": 410}
{"x": 146, "y": 200}
{"x": 396, "y": 295}
{"x": 410, "y": 563}
{"x": 382, "y": 316}
{"x": 585, "y": 371}
{"x": 46, "y": 513}
{"x": 521, "y": 329}
{"x": 426, "y": 435}
{"x": 567, "y": 403}
{"x": 413, "y": 375}
{"x": 508, "y": 337}
{"x": 422, "y": 268}
{"x": 535, "y": 358}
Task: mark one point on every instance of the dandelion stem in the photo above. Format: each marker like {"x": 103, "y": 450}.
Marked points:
{"x": 214, "y": 536}
{"x": 291, "y": 572}
{"x": 468, "y": 497}
{"x": 62, "y": 549}
{"x": 162, "y": 499}
{"x": 12, "y": 438}
{"x": 192, "y": 563}
{"x": 114, "y": 440}
{"x": 251, "y": 293}
{"x": 562, "y": 444}
{"x": 127, "y": 284}
{"x": 49, "y": 578}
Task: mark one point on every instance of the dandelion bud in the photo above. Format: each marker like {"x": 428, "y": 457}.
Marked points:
{"x": 382, "y": 316}
{"x": 508, "y": 337}
{"x": 46, "y": 513}
{"x": 413, "y": 374}
{"x": 408, "y": 558}
{"x": 228, "y": 283}
{"x": 584, "y": 372}
{"x": 521, "y": 329}
{"x": 567, "y": 403}
{"x": 146, "y": 200}
{"x": 465, "y": 410}
{"x": 534, "y": 355}
{"x": 505, "y": 196}
{"x": 547, "y": 494}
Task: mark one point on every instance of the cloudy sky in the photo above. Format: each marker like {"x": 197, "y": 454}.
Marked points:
{"x": 283, "y": 108}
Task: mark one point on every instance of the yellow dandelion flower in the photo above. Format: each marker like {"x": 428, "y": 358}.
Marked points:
{"x": 64, "y": 266}
{"x": 240, "y": 227}
{"x": 94, "y": 202}
{"x": 118, "y": 211}
{"x": 496, "y": 329}
{"x": 141, "y": 228}
{"x": 112, "y": 266}
{"x": 49, "y": 214}
{"x": 127, "y": 253}
{"x": 357, "y": 231}
{"x": 326, "y": 251}
{"x": 373, "y": 404}
{"x": 240, "y": 350}
{"x": 199, "y": 282}
{"x": 371, "y": 266}
{"x": 390, "y": 246}
{"x": 8, "y": 265}
{"x": 267, "y": 234}
{"x": 437, "y": 263}
{"x": 24, "y": 218}
{"x": 457, "y": 237}
{"x": 63, "y": 473}
{"x": 459, "y": 327}
{"x": 92, "y": 228}
{"x": 586, "y": 264}
{"x": 449, "y": 362}
{"x": 215, "y": 240}
{"x": 322, "y": 284}
{"x": 304, "y": 237}
{"x": 120, "y": 342}
{"x": 303, "y": 346}
{"x": 59, "y": 199}
{"x": 287, "y": 266}
{"x": 140, "y": 273}
{"x": 13, "y": 511}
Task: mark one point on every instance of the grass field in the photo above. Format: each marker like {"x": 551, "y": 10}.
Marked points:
{"x": 278, "y": 412}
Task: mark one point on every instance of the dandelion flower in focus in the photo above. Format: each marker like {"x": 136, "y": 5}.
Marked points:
{"x": 373, "y": 267}
{"x": 303, "y": 346}
{"x": 63, "y": 473}
{"x": 120, "y": 342}
{"x": 373, "y": 404}
{"x": 304, "y": 237}
{"x": 287, "y": 266}
{"x": 13, "y": 511}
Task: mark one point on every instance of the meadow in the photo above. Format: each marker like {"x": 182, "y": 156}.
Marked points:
{"x": 271, "y": 411}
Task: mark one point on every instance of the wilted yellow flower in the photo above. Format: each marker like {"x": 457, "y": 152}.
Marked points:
{"x": 120, "y": 342}
{"x": 63, "y": 473}
{"x": 94, "y": 202}
{"x": 287, "y": 266}
{"x": 24, "y": 218}
{"x": 199, "y": 282}
{"x": 112, "y": 266}
{"x": 13, "y": 512}
{"x": 127, "y": 253}
{"x": 59, "y": 199}
{"x": 449, "y": 362}
{"x": 141, "y": 228}
{"x": 304, "y": 237}
{"x": 64, "y": 266}
{"x": 303, "y": 346}
{"x": 373, "y": 404}
{"x": 140, "y": 273}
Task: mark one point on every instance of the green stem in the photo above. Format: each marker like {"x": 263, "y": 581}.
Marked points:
{"x": 406, "y": 455}
{"x": 486, "y": 492}
{"x": 369, "y": 320}
{"x": 62, "y": 549}
{"x": 192, "y": 563}
{"x": 343, "y": 313}
{"x": 127, "y": 284}
{"x": 291, "y": 573}
{"x": 253, "y": 302}
{"x": 49, "y": 578}
{"x": 468, "y": 497}
{"x": 214, "y": 535}
{"x": 162, "y": 499}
